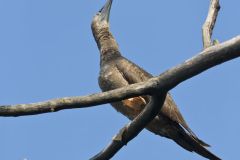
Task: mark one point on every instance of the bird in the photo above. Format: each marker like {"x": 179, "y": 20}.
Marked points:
{"x": 117, "y": 71}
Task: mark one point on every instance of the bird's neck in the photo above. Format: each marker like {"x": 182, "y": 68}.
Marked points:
{"x": 107, "y": 45}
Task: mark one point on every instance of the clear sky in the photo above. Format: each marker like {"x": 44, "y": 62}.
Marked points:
{"x": 47, "y": 51}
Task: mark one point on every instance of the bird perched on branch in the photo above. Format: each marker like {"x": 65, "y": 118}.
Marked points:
{"x": 117, "y": 71}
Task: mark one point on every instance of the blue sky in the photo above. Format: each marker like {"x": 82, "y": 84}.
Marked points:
{"x": 48, "y": 51}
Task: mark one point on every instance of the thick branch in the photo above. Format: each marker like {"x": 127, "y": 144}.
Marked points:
{"x": 208, "y": 58}
{"x": 70, "y": 102}
{"x": 209, "y": 24}
{"x": 130, "y": 131}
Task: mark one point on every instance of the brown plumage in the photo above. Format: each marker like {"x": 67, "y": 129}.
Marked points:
{"x": 116, "y": 71}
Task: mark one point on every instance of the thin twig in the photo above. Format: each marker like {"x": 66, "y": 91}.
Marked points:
{"x": 208, "y": 58}
{"x": 131, "y": 130}
{"x": 209, "y": 24}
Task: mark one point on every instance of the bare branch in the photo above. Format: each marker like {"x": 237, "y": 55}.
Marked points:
{"x": 131, "y": 130}
{"x": 208, "y": 58}
{"x": 135, "y": 127}
{"x": 71, "y": 102}
{"x": 209, "y": 24}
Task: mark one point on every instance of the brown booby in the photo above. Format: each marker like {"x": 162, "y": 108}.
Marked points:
{"x": 116, "y": 71}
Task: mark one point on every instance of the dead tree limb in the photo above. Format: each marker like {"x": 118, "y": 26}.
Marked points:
{"x": 208, "y": 58}
{"x": 157, "y": 87}
{"x": 131, "y": 130}
{"x": 209, "y": 24}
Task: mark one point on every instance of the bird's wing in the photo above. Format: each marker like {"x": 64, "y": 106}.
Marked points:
{"x": 134, "y": 74}
{"x": 113, "y": 78}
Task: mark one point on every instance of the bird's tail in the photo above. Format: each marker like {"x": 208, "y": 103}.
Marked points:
{"x": 193, "y": 145}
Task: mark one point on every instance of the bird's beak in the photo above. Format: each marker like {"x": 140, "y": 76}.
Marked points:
{"x": 105, "y": 11}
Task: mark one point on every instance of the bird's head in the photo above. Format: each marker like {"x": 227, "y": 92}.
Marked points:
{"x": 101, "y": 31}
{"x": 100, "y": 22}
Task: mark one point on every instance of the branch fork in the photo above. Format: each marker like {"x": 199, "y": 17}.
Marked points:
{"x": 157, "y": 87}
